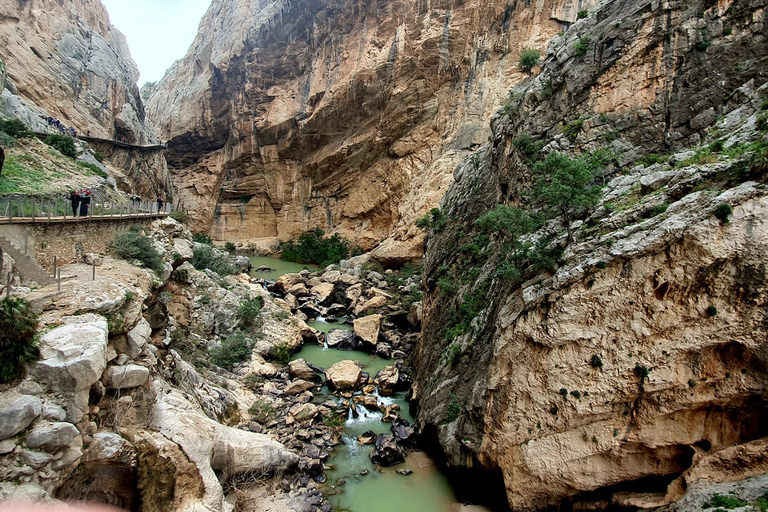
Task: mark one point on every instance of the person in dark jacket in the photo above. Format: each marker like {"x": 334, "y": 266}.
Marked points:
{"x": 74, "y": 198}
{"x": 85, "y": 200}
{"x": 159, "y": 204}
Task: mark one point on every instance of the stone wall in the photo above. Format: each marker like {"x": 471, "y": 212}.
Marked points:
{"x": 67, "y": 241}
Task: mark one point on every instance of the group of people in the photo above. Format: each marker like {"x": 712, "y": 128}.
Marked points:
{"x": 55, "y": 123}
{"x": 80, "y": 201}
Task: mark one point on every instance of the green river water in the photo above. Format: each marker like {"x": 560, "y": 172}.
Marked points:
{"x": 281, "y": 267}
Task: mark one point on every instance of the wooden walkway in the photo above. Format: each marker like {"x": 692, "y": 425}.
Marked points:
{"x": 71, "y": 219}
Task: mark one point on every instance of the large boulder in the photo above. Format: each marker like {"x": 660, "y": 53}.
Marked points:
{"x": 300, "y": 369}
{"x": 126, "y": 376}
{"x": 298, "y": 386}
{"x": 288, "y": 281}
{"x": 73, "y": 358}
{"x": 370, "y": 304}
{"x": 323, "y": 293}
{"x": 53, "y": 437}
{"x": 367, "y": 330}
{"x": 16, "y": 414}
{"x": 183, "y": 248}
{"x": 344, "y": 375}
{"x": 341, "y": 339}
{"x": 136, "y": 340}
{"x": 387, "y": 452}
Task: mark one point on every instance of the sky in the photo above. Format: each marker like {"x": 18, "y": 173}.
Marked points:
{"x": 159, "y": 32}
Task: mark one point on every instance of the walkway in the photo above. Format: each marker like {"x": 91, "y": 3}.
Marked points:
{"x": 44, "y": 219}
{"x": 127, "y": 145}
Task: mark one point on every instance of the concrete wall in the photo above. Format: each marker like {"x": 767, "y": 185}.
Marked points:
{"x": 68, "y": 241}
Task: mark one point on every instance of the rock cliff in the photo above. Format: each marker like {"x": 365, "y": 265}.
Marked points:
{"x": 285, "y": 116}
{"x": 67, "y": 60}
{"x": 612, "y": 359}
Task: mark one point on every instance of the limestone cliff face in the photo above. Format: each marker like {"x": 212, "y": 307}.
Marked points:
{"x": 634, "y": 363}
{"x": 64, "y": 59}
{"x": 349, "y": 116}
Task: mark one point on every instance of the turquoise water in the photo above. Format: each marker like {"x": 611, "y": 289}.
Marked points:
{"x": 382, "y": 489}
{"x": 281, "y": 267}
{"x": 321, "y": 325}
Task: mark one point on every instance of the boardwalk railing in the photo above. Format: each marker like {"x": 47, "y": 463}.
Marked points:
{"x": 40, "y": 209}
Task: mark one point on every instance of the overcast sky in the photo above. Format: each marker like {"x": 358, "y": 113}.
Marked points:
{"x": 159, "y": 32}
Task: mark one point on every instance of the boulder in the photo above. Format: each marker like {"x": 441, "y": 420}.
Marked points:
{"x": 243, "y": 263}
{"x": 300, "y": 369}
{"x": 354, "y": 292}
{"x": 312, "y": 467}
{"x": 35, "y": 460}
{"x": 387, "y": 452}
{"x": 344, "y": 375}
{"x": 183, "y": 248}
{"x": 331, "y": 276}
{"x": 403, "y": 431}
{"x": 388, "y": 380}
{"x": 107, "y": 446}
{"x": 304, "y": 413}
{"x": 288, "y": 281}
{"x": 367, "y": 437}
{"x": 53, "y": 437}
{"x": 367, "y": 330}
{"x": 323, "y": 292}
{"x": 137, "y": 339}
{"x": 73, "y": 358}
{"x": 298, "y": 386}
{"x": 341, "y": 339}
{"x": 125, "y": 377}
{"x": 415, "y": 314}
{"x": 370, "y": 304}
{"x": 16, "y": 415}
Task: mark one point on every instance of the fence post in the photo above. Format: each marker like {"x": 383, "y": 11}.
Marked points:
{"x": 94, "y": 269}
{"x": 26, "y": 240}
{"x": 54, "y": 266}
{"x": 59, "y": 279}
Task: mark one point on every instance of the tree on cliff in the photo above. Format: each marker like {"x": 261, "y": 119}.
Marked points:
{"x": 564, "y": 187}
{"x": 528, "y": 60}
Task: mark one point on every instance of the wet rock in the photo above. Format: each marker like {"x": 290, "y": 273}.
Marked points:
{"x": 16, "y": 415}
{"x": 343, "y": 376}
{"x": 387, "y": 452}
{"x": 336, "y": 310}
{"x": 402, "y": 430}
{"x": 384, "y": 350}
{"x": 310, "y": 310}
{"x": 341, "y": 339}
{"x": 312, "y": 467}
{"x": 300, "y": 369}
{"x": 367, "y": 437}
{"x": 52, "y": 437}
{"x": 367, "y": 330}
{"x": 364, "y": 472}
{"x": 403, "y": 471}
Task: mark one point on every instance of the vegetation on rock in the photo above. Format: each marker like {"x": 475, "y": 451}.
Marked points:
{"x": 529, "y": 59}
{"x": 63, "y": 144}
{"x": 135, "y": 246}
{"x": 312, "y": 247}
{"x": 206, "y": 257}
{"x": 18, "y": 324}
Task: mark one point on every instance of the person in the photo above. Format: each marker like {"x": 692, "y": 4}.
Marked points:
{"x": 74, "y": 198}
{"x": 159, "y": 204}
{"x": 85, "y": 200}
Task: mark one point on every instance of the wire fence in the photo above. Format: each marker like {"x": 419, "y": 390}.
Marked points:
{"x": 50, "y": 208}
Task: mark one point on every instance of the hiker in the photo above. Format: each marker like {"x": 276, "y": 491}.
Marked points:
{"x": 74, "y": 198}
{"x": 85, "y": 200}
{"x": 159, "y": 204}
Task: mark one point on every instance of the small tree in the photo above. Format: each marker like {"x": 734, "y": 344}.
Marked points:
{"x": 18, "y": 324}
{"x": 564, "y": 187}
{"x": 528, "y": 60}
{"x": 65, "y": 145}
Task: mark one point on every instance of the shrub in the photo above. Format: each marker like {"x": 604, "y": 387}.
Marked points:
{"x": 18, "y": 324}
{"x": 512, "y": 222}
{"x": 727, "y": 502}
{"x": 528, "y": 147}
{"x": 454, "y": 353}
{"x": 262, "y": 411}
{"x": 179, "y": 216}
{"x": 229, "y": 246}
{"x": 280, "y": 353}
{"x": 692, "y": 383}
{"x": 596, "y": 361}
{"x": 582, "y": 46}
{"x": 15, "y": 128}
{"x": 63, "y": 144}
{"x": 576, "y": 394}
{"x": 133, "y": 246}
{"x": 528, "y": 60}
{"x": 601, "y": 265}
{"x": 99, "y": 156}
{"x": 452, "y": 411}
{"x": 205, "y": 256}
{"x": 762, "y": 122}
{"x": 582, "y": 14}
{"x": 712, "y": 311}
{"x": 723, "y": 212}
{"x": 249, "y": 312}
{"x": 702, "y": 45}
{"x": 717, "y": 146}
{"x": 235, "y": 348}
{"x": 254, "y": 382}
{"x": 312, "y": 247}
{"x": 573, "y": 129}
{"x": 202, "y": 238}
{"x": 95, "y": 169}
{"x": 642, "y": 371}
{"x": 434, "y": 219}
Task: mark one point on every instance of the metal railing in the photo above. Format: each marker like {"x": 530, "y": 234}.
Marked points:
{"x": 43, "y": 209}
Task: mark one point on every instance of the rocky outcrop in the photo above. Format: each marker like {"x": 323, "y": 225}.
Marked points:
{"x": 65, "y": 60}
{"x": 616, "y": 366}
{"x": 349, "y": 117}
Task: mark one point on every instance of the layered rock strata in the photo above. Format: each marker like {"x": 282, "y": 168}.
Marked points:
{"x": 286, "y": 116}
{"x": 632, "y": 365}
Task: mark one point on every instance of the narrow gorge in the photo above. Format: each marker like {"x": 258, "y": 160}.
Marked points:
{"x": 527, "y": 245}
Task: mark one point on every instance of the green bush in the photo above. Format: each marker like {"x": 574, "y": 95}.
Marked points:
{"x": 202, "y": 238}
{"x": 723, "y": 212}
{"x": 528, "y": 60}
{"x": 133, "y": 246}
{"x": 65, "y": 145}
{"x": 452, "y": 411}
{"x": 179, "y": 216}
{"x": 582, "y": 46}
{"x": 18, "y": 324}
{"x": 512, "y": 222}
{"x": 205, "y": 256}
{"x": 262, "y": 411}
{"x": 434, "y": 219}
{"x": 596, "y": 361}
{"x": 312, "y": 247}
{"x": 249, "y": 312}
{"x": 528, "y": 147}
{"x": 642, "y": 371}
{"x": 95, "y": 169}
{"x": 573, "y": 129}
{"x": 582, "y": 14}
{"x": 280, "y": 353}
{"x": 235, "y": 348}
{"x": 15, "y": 128}
{"x": 229, "y": 246}
{"x": 727, "y": 502}
{"x": 712, "y": 311}
{"x": 99, "y": 156}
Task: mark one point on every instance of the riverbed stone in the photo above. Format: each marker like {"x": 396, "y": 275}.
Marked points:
{"x": 298, "y": 386}
{"x": 126, "y": 376}
{"x": 341, "y": 339}
{"x": 367, "y": 330}
{"x": 300, "y": 369}
{"x": 303, "y": 413}
{"x": 370, "y": 304}
{"x": 17, "y": 414}
{"x": 35, "y": 459}
{"x": 52, "y": 437}
{"x": 387, "y": 452}
{"x": 344, "y": 375}
{"x": 323, "y": 293}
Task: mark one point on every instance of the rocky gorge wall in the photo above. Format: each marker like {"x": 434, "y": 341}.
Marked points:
{"x": 631, "y": 365}
{"x": 285, "y": 116}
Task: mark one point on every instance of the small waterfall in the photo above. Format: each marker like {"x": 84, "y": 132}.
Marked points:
{"x": 359, "y": 414}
